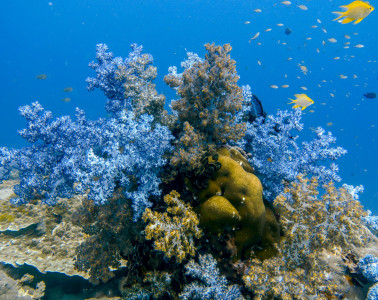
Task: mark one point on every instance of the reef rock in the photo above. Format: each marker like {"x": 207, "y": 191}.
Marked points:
{"x": 39, "y": 235}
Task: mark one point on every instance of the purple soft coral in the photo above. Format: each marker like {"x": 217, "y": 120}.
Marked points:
{"x": 106, "y": 77}
{"x": 277, "y": 157}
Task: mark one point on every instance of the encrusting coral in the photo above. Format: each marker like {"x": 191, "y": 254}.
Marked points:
{"x": 209, "y": 99}
{"x": 173, "y": 235}
{"x": 233, "y": 201}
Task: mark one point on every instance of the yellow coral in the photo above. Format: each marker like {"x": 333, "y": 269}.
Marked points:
{"x": 173, "y": 235}
{"x": 233, "y": 200}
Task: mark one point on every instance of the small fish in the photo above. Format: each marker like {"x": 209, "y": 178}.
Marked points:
{"x": 280, "y": 24}
{"x": 347, "y": 36}
{"x": 332, "y": 40}
{"x": 355, "y": 76}
{"x": 309, "y": 38}
{"x": 318, "y": 21}
{"x": 303, "y": 69}
{"x": 285, "y": 86}
{"x": 324, "y": 43}
{"x": 337, "y": 57}
{"x": 289, "y": 58}
{"x": 304, "y": 88}
{"x": 343, "y": 76}
{"x": 287, "y": 31}
{"x": 41, "y": 76}
{"x": 303, "y": 7}
{"x": 254, "y": 37}
{"x": 258, "y": 10}
{"x": 259, "y": 62}
{"x": 346, "y": 47}
{"x": 332, "y": 95}
{"x": 355, "y": 11}
{"x": 301, "y": 100}
{"x": 358, "y": 46}
{"x": 347, "y": 43}
{"x": 286, "y": 2}
{"x": 317, "y": 50}
{"x": 68, "y": 89}
{"x": 314, "y": 26}
{"x": 247, "y": 22}
{"x": 273, "y": 86}
{"x": 329, "y": 124}
{"x": 324, "y": 30}
{"x": 370, "y": 95}
{"x": 66, "y": 99}
{"x": 269, "y": 29}
{"x": 312, "y": 111}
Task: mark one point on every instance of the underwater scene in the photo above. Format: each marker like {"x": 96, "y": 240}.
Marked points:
{"x": 199, "y": 149}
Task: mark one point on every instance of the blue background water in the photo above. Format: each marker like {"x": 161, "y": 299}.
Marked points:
{"x": 58, "y": 39}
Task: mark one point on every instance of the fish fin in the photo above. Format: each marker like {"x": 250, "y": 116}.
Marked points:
{"x": 292, "y": 101}
{"x": 296, "y": 106}
{"x": 303, "y": 107}
{"x": 358, "y": 21}
{"x": 299, "y": 95}
{"x": 347, "y": 20}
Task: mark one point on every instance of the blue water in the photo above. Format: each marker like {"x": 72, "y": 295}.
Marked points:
{"x": 58, "y": 38}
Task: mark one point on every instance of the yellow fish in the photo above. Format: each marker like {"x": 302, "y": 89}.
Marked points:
{"x": 355, "y": 11}
{"x": 301, "y": 100}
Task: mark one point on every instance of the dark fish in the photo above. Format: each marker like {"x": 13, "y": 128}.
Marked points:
{"x": 68, "y": 89}
{"x": 66, "y": 99}
{"x": 257, "y": 108}
{"x": 370, "y": 95}
{"x": 41, "y": 76}
{"x": 287, "y": 30}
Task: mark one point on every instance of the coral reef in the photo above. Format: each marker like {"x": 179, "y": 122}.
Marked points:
{"x": 156, "y": 285}
{"x": 233, "y": 202}
{"x": 20, "y": 289}
{"x": 212, "y": 286}
{"x": 278, "y": 158}
{"x": 311, "y": 222}
{"x": 368, "y": 266}
{"x": 89, "y": 194}
{"x": 107, "y": 79}
{"x": 173, "y": 235}
{"x": 275, "y": 279}
{"x": 70, "y": 157}
{"x": 40, "y": 235}
{"x": 318, "y": 227}
{"x": 209, "y": 98}
{"x": 111, "y": 236}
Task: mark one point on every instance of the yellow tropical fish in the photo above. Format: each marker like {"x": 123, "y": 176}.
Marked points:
{"x": 355, "y": 11}
{"x": 301, "y": 100}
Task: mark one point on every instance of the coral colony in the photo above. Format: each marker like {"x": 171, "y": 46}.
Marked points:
{"x": 216, "y": 195}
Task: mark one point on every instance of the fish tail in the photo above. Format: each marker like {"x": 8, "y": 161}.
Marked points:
{"x": 292, "y": 101}
{"x": 341, "y": 14}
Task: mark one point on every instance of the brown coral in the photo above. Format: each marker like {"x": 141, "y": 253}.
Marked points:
{"x": 209, "y": 99}
{"x": 139, "y": 87}
{"x": 174, "y": 233}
